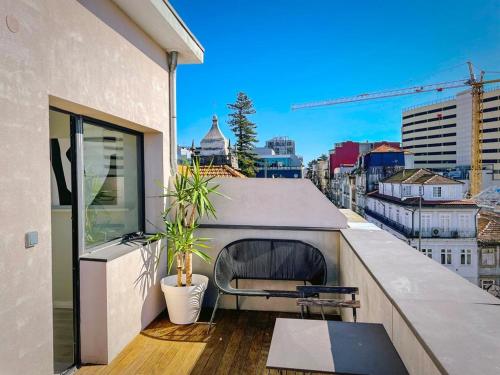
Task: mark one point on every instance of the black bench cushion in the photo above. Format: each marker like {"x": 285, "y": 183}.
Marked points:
{"x": 268, "y": 259}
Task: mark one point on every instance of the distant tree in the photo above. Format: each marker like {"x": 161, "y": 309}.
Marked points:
{"x": 245, "y": 132}
{"x": 323, "y": 157}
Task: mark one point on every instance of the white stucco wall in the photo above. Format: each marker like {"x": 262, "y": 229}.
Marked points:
{"x": 63, "y": 55}
{"x": 119, "y": 297}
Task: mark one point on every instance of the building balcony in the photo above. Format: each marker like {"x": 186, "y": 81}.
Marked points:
{"x": 409, "y": 233}
{"x": 429, "y": 313}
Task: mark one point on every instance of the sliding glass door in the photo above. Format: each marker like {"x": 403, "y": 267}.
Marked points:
{"x": 97, "y": 198}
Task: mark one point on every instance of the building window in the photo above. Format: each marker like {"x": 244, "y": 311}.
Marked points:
{"x": 488, "y": 257}
{"x": 465, "y": 256}
{"x": 487, "y": 284}
{"x": 113, "y": 180}
{"x": 406, "y": 191}
{"x": 427, "y": 252}
{"x": 421, "y": 191}
{"x": 444, "y": 223}
{"x": 426, "y": 223}
{"x": 436, "y": 191}
{"x": 463, "y": 223}
{"x": 446, "y": 256}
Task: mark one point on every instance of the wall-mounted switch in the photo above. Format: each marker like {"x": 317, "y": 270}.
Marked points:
{"x": 30, "y": 239}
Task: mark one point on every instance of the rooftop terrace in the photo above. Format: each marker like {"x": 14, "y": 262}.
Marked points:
{"x": 438, "y": 322}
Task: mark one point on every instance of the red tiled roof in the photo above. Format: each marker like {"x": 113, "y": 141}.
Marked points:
{"x": 386, "y": 148}
{"x": 488, "y": 227}
{"x": 217, "y": 171}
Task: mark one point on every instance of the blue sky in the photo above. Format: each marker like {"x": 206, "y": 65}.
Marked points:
{"x": 282, "y": 52}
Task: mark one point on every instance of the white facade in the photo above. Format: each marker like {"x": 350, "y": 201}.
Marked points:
{"x": 440, "y": 134}
{"x": 448, "y": 231}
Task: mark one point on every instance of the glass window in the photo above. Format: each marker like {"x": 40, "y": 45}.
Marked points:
{"x": 465, "y": 257}
{"x": 406, "y": 190}
{"x": 436, "y": 191}
{"x": 112, "y": 183}
{"x": 427, "y": 252}
{"x": 488, "y": 257}
{"x": 446, "y": 256}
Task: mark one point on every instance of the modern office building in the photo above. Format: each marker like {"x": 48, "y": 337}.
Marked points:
{"x": 439, "y": 134}
{"x": 272, "y": 165}
{"x": 281, "y": 145}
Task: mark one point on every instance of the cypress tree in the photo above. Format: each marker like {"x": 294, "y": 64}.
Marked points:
{"x": 245, "y": 132}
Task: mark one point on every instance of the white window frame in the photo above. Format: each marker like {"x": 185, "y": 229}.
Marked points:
{"x": 446, "y": 257}
{"x": 437, "y": 192}
{"x": 406, "y": 191}
{"x": 427, "y": 252}
{"x": 491, "y": 253}
{"x": 466, "y": 257}
{"x": 445, "y": 222}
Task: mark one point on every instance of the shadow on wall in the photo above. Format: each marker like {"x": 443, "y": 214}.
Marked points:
{"x": 153, "y": 268}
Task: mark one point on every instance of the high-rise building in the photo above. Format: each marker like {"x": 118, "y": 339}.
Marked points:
{"x": 281, "y": 145}
{"x": 439, "y": 134}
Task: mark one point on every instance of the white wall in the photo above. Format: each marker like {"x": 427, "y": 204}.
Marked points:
{"x": 119, "y": 298}
{"x": 61, "y": 55}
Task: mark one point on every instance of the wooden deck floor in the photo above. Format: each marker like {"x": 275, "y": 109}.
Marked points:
{"x": 238, "y": 344}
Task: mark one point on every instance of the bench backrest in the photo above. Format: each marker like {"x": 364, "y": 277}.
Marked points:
{"x": 270, "y": 259}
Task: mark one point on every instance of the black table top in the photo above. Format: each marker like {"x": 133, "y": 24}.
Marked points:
{"x": 333, "y": 347}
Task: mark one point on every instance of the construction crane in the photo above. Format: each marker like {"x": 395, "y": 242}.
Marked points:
{"x": 477, "y": 89}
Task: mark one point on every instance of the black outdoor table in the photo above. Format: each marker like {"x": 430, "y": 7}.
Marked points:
{"x": 333, "y": 347}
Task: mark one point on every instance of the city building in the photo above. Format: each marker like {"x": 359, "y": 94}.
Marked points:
{"x": 348, "y": 152}
{"x": 351, "y": 181}
{"x": 444, "y": 228}
{"x": 271, "y": 165}
{"x": 184, "y": 155}
{"x": 320, "y": 175}
{"x": 281, "y": 145}
{"x": 439, "y": 134}
{"x": 215, "y": 148}
{"x": 278, "y": 160}
{"x": 488, "y": 239}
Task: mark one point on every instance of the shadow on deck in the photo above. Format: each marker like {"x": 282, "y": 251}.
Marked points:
{"x": 238, "y": 344}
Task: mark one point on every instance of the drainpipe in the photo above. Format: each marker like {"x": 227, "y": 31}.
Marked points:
{"x": 172, "y": 94}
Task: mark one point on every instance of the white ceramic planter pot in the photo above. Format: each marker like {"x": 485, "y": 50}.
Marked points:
{"x": 183, "y": 303}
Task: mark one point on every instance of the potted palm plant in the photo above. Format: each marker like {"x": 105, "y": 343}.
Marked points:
{"x": 189, "y": 201}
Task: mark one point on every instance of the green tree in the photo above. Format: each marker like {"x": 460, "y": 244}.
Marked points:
{"x": 245, "y": 132}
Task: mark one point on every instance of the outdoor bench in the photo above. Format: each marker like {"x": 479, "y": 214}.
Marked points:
{"x": 267, "y": 259}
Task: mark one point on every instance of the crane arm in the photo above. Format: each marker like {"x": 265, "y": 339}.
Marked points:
{"x": 385, "y": 94}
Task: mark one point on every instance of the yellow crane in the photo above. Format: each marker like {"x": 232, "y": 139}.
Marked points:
{"x": 477, "y": 89}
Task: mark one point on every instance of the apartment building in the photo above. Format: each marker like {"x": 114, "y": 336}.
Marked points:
{"x": 439, "y": 134}
{"x": 488, "y": 238}
{"x": 444, "y": 228}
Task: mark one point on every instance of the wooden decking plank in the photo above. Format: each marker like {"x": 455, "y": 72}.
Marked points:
{"x": 219, "y": 337}
{"x": 238, "y": 344}
{"x": 226, "y": 362}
